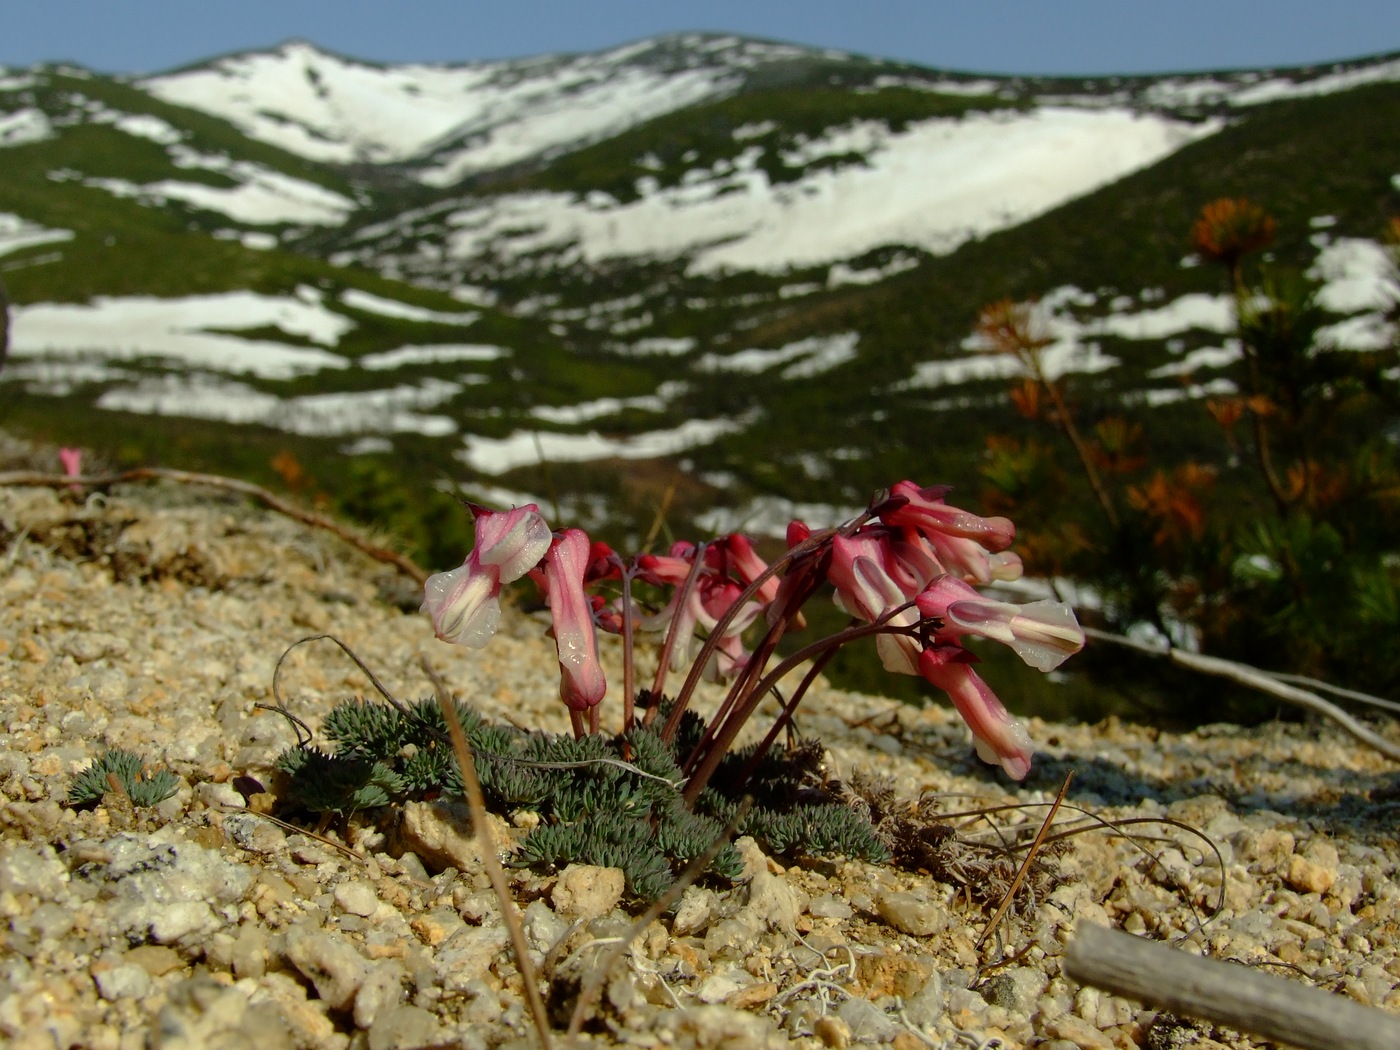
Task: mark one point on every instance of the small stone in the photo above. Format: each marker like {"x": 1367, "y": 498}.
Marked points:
{"x": 440, "y": 833}
{"x": 1079, "y": 1032}
{"x": 706, "y": 1027}
{"x": 867, "y": 1022}
{"x": 156, "y": 959}
{"x": 832, "y": 1031}
{"x": 754, "y": 995}
{"x": 201, "y": 1013}
{"x": 1015, "y": 989}
{"x": 182, "y": 921}
{"x": 694, "y": 912}
{"x": 27, "y": 870}
{"x": 543, "y": 928}
{"x": 926, "y": 1006}
{"x": 382, "y": 990}
{"x": 585, "y": 891}
{"x": 468, "y": 954}
{"x": 329, "y": 962}
{"x": 402, "y": 1027}
{"x": 1308, "y": 876}
{"x": 912, "y": 913}
{"x": 128, "y": 981}
{"x": 250, "y": 952}
{"x": 356, "y": 897}
{"x": 436, "y": 926}
{"x": 255, "y": 834}
{"x": 829, "y": 906}
{"x": 718, "y": 987}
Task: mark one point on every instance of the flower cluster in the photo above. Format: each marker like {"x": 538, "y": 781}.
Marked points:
{"x": 906, "y": 571}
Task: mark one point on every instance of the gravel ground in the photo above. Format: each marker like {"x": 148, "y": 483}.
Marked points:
{"x": 151, "y": 619}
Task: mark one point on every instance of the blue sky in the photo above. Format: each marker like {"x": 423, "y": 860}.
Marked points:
{"x": 999, "y": 36}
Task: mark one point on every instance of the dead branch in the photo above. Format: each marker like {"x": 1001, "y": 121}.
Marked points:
{"x": 1257, "y": 679}
{"x": 1226, "y": 993}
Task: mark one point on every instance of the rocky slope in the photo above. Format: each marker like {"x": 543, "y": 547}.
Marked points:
{"x": 152, "y": 618}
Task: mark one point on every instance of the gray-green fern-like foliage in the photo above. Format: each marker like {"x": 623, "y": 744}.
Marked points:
{"x": 143, "y": 787}
{"x": 595, "y": 808}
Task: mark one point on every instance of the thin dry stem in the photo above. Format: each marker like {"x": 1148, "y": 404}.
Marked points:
{"x": 476, "y": 801}
{"x": 1025, "y": 867}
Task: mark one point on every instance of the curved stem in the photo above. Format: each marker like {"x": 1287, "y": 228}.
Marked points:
{"x": 724, "y": 738}
{"x": 781, "y": 722}
{"x": 811, "y": 544}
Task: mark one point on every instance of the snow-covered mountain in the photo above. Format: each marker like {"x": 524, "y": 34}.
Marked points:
{"x": 455, "y": 121}
{"x": 758, "y": 262}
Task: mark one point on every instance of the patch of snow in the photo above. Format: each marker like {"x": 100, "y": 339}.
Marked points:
{"x": 1202, "y": 357}
{"x": 192, "y": 330}
{"x": 377, "y": 304}
{"x": 263, "y": 197}
{"x": 934, "y": 186}
{"x": 753, "y": 130}
{"x": 24, "y": 126}
{"x": 1365, "y": 331}
{"x": 18, "y": 83}
{"x": 17, "y": 234}
{"x": 430, "y": 355}
{"x": 1328, "y": 84}
{"x": 573, "y": 415}
{"x": 59, "y": 378}
{"x": 1356, "y": 275}
{"x": 390, "y": 411}
{"x": 939, "y": 87}
{"x": 1171, "y": 395}
{"x": 821, "y": 352}
{"x": 658, "y": 345}
{"x": 840, "y": 273}
{"x": 1214, "y": 313}
{"x": 769, "y": 516}
{"x": 147, "y": 126}
{"x": 526, "y": 448}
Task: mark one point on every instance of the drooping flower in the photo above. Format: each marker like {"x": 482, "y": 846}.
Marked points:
{"x": 998, "y": 737}
{"x": 581, "y": 680}
{"x": 728, "y": 565}
{"x": 926, "y": 512}
{"x": 465, "y": 602}
{"x": 866, "y": 589}
{"x": 1042, "y": 633}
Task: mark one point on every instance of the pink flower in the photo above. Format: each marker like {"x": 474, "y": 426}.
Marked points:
{"x": 1044, "y": 633}
{"x": 72, "y": 461}
{"x": 730, "y": 564}
{"x": 465, "y": 602}
{"x": 866, "y": 589}
{"x": 998, "y": 737}
{"x": 926, "y": 511}
{"x": 581, "y": 681}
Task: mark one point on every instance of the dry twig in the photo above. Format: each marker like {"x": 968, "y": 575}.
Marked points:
{"x": 476, "y": 801}
{"x": 268, "y": 499}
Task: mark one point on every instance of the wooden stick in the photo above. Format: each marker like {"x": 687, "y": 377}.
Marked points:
{"x": 1261, "y": 680}
{"x": 1226, "y": 993}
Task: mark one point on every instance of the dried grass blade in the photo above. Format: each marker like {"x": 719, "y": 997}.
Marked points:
{"x": 476, "y": 801}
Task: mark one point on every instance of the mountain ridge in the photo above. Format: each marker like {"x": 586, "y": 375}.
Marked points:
{"x": 614, "y": 382}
